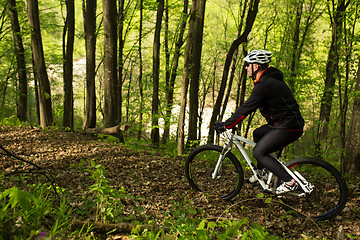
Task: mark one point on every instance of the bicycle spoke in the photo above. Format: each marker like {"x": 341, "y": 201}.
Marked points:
{"x": 200, "y": 167}
{"x": 328, "y": 196}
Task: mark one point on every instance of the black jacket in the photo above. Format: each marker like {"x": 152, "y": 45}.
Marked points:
{"x": 275, "y": 101}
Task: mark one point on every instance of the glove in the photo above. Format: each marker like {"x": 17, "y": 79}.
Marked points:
{"x": 219, "y": 127}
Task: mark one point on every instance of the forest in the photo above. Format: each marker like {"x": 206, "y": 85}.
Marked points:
{"x": 155, "y": 76}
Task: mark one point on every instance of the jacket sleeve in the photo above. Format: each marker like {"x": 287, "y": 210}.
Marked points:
{"x": 251, "y": 104}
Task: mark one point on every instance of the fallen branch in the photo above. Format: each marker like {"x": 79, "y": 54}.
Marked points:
{"x": 110, "y": 130}
{"x": 40, "y": 170}
{"x": 125, "y": 228}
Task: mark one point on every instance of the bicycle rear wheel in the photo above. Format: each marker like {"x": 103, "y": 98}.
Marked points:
{"x": 330, "y": 192}
{"x": 201, "y": 163}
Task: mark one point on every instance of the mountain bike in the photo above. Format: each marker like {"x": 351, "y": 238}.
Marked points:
{"x": 322, "y": 192}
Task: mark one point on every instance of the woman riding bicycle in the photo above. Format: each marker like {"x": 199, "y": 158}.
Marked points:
{"x": 278, "y": 106}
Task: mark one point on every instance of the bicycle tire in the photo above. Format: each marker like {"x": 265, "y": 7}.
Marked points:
{"x": 330, "y": 193}
{"x": 200, "y": 164}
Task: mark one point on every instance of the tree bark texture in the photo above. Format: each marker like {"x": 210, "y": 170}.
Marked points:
{"x": 20, "y": 60}
{"x": 89, "y": 14}
{"x": 110, "y": 63}
{"x": 141, "y": 103}
{"x": 155, "y": 134}
{"x": 121, "y": 59}
{"x": 68, "y": 46}
{"x": 198, "y": 28}
{"x": 185, "y": 86}
{"x": 45, "y": 109}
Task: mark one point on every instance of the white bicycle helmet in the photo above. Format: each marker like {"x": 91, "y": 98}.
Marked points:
{"x": 258, "y": 56}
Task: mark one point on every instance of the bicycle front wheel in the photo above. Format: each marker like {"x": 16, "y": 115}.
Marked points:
{"x": 200, "y": 165}
{"x": 329, "y": 194}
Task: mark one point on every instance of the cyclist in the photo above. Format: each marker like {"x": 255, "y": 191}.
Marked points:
{"x": 274, "y": 99}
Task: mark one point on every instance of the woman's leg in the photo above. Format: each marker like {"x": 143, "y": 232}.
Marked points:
{"x": 274, "y": 140}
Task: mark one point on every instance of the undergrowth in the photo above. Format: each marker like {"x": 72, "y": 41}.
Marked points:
{"x": 35, "y": 213}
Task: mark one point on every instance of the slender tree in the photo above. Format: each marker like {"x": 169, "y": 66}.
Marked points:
{"x": 252, "y": 12}
{"x": 167, "y": 73}
{"x": 45, "y": 109}
{"x": 344, "y": 83}
{"x": 120, "y": 59}
{"x": 185, "y": 83}
{"x": 20, "y": 60}
{"x": 141, "y": 91}
{"x": 89, "y": 14}
{"x": 351, "y": 163}
{"x": 331, "y": 69}
{"x": 170, "y": 85}
{"x": 68, "y": 50}
{"x": 155, "y": 134}
{"x": 110, "y": 63}
{"x": 306, "y": 14}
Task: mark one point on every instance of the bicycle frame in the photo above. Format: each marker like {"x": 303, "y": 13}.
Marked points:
{"x": 232, "y": 138}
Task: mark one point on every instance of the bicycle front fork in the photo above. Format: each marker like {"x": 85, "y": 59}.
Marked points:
{"x": 217, "y": 170}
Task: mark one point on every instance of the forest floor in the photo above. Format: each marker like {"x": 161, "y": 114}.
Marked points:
{"x": 159, "y": 182}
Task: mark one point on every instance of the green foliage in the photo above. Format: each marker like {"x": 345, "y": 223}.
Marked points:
{"x": 108, "y": 138}
{"x": 107, "y": 200}
{"x": 187, "y": 222}
{"x": 12, "y": 121}
{"x": 31, "y": 214}
{"x": 26, "y": 214}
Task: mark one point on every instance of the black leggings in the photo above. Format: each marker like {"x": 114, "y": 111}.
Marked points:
{"x": 269, "y": 140}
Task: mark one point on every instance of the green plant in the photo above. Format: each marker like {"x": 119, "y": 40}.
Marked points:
{"x": 21, "y": 213}
{"x": 33, "y": 213}
{"x": 257, "y": 232}
{"x": 108, "y": 138}
{"x": 62, "y": 218}
{"x": 185, "y": 221}
{"x": 12, "y": 121}
{"x": 108, "y": 200}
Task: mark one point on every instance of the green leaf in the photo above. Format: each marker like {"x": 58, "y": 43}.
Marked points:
{"x": 201, "y": 225}
{"x": 212, "y": 225}
{"x": 260, "y": 195}
{"x": 18, "y": 197}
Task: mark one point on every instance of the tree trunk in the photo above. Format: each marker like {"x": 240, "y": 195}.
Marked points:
{"x": 198, "y": 28}
{"x": 140, "y": 73}
{"x": 89, "y": 13}
{"x": 155, "y": 134}
{"x": 36, "y": 90}
{"x": 45, "y": 109}
{"x": 170, "y": 87}
{"x": 351, "y": 163}
{"x": 331, "y": 69}
{"x": 121, "y": 61}
{"x": 253, "y": 9}
{"x": 20, "y": 60}
{"x": 185, "y": 86}
{"x": 68, "y": 50}
{"x": 295, "y": 49}
{"x": 349, "y": 37}
{"x": 110, "y": 63}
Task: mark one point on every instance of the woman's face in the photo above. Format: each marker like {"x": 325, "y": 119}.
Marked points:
{"x": 251, "y": 68}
